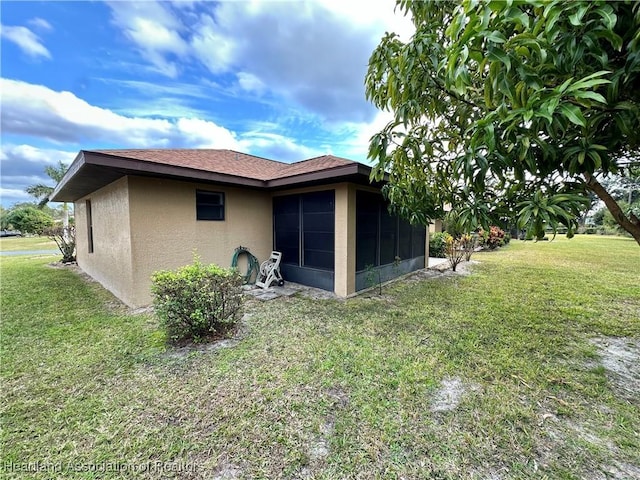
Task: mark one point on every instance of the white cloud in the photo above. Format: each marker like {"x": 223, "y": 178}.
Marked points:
{"x": 305, "y": 54}
{"x": 10, "y": 196}
{"x": 250, "y": 83}
{"x": 312, "y": 53}
{"x": 211, "y": 44}
{"x": 153, "y": 27}
{"x": 205, "y": 134}
{"x": 29, "y": 153}
{"x": 38, "y": 111}
{"x": 40, "y": 24}
{"x": 26, "y": 40}
{"x": 356, "y": 145}
{"x": 61, "y": 117}
{"x": 275, "y": 146}
{"x": 23, "y": 165}
{"x": 383, "y": 13}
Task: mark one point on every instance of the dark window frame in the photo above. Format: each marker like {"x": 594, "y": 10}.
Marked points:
{"x": 89, "y": 226}
{"x": 210, "y": 206}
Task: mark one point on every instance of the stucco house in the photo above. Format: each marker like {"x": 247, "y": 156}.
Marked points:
{"x": 138, "y": 211}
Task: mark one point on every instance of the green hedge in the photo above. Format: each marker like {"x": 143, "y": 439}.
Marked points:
{"x": 197, "y": 302}
{"x": 438, "y": 245}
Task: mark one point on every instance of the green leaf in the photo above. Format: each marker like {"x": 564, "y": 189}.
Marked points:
{"x": 589, "y": 81}
{"x": 573, "y": 113}
{"x": 591, "y": 96}
{"x": 564, "y": 85}
{"x": 576, "y": 18}
{"x": 495, "y": 36}
{"x": 609, "y": 18}
{"x": 499, "y": 55}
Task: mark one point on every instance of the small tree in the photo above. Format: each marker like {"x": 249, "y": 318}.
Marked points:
{"x": 42, "y": 192}
{"x": 65, "y": 238}
{"x": 469, "y": 243}
{"x": 454, "y": 250}
{"x": 28, "y": 220}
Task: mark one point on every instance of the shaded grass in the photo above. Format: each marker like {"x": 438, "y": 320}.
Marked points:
{"x": 336, "y": 389}
{"x": 12, "y": 244}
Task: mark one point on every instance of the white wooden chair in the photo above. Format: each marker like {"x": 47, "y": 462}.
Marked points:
{"x": 270, "y": 271}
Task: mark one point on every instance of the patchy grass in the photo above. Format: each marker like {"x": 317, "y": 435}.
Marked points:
{"x": 13, "y": 244}
{"x": 492, "y": 375}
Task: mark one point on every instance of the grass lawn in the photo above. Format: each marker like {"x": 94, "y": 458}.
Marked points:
{"x": 494, "y": 375}
{"x": 13, "y": 244}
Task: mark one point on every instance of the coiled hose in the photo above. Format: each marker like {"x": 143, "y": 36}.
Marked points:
{"x": 252, "y": 264}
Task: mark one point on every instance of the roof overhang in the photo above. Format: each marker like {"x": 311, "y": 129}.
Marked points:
{"x": 353, "y": 172}
{"x": 91, "y": 171}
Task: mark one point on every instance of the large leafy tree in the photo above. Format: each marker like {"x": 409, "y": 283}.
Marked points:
{"x": 508, "y": 108}
{"x": 42, "y": 192}
{"x": 27, "y": 220}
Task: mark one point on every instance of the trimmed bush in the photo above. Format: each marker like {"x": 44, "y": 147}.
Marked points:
{"x": 493, "y": 238}
{"x": 197, "y": 302}
{"x": 437, "y": 244}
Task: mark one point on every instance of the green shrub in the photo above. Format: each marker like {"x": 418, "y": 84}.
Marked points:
{"x": 197, "y": 302}
{"x": 437, "y": 245}
{"x": 494, "y": 238}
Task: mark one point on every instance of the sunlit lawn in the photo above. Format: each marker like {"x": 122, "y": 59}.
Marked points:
{"x": 12, "y": 244}
{"x": 335, "y": 389}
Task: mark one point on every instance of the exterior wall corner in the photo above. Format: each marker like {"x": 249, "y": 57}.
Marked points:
{"x": 345, "y": 240}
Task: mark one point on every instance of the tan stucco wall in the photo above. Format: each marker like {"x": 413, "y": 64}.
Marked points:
{"x": 426, "y": 247}
{"x": 165, "y": 232}
{"x": 436, "y": 226}
{"x": 142, "y": 225}
{"x": 110, "y": 262}
{"x": 345, "y": 240}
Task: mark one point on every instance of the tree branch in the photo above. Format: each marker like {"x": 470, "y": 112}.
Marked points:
{"x": 631, "y": 224}
{"x": 443, "y": 89}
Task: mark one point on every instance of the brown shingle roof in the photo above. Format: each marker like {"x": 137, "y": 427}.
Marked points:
{"x": 316, "y": 164}
{"x": 93, "y": 169}
{"x": 229, "y": 162}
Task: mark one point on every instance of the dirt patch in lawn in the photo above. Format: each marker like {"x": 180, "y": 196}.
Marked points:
{"x": 621, "y": 359}
{"x": 450, "y": 394}
{"x": 227, "y": 339}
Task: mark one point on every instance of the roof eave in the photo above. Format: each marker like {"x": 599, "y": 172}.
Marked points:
{"x": 341, "y": 172}
{"x": 91, "y": 171}
{"x": 74, "y": 168}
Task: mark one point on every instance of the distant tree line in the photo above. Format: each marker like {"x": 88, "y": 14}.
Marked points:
{"x": 35, "y": 218}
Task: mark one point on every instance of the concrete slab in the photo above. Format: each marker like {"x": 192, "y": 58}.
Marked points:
{"x": 261, "y": 294}
{"x": 289, "y": 289}
{"x": 438, "y": 263}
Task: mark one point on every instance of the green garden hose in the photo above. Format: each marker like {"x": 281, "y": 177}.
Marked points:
{"x": 252, "y": 263}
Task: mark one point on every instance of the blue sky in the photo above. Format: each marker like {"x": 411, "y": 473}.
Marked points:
{"x": 280, "y": 79}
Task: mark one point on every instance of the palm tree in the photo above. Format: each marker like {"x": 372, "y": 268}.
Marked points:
{"x": 42, "y": 192}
